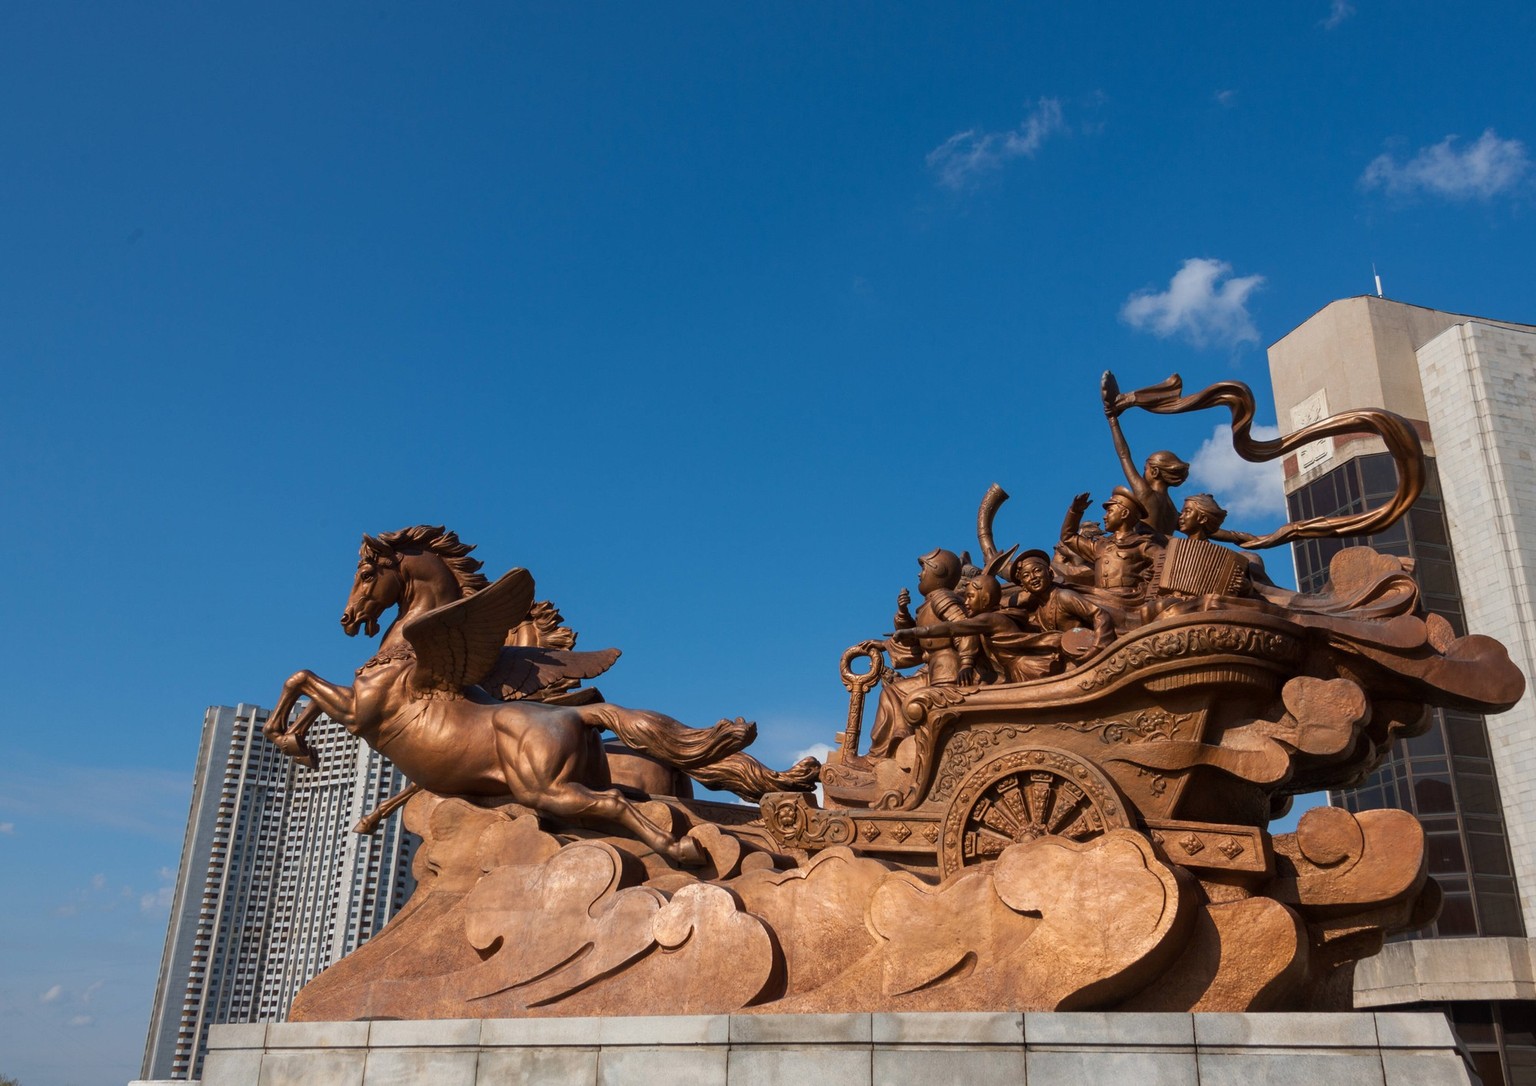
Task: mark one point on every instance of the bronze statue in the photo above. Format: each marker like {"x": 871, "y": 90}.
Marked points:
{"x": 1054, "y": 608}
{"x": 1201, "y": 517}
{"x": 1001, "y": 633}
{"x": 1162, "y": 470}
{"x": 945, "y": 660}
{"x": 1066, "y": 806}
{"x": 422, "y": 701}
{"x": 1123, "y": 558}
{"x": 1397, "y": 433}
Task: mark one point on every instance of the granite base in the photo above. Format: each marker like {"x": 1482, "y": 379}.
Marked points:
{"x": 1385, "y": 1048}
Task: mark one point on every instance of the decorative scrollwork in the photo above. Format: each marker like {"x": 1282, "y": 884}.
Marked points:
{"x": 965, "y": 748}
{"x": 1147, "y": 726}
{"x": 793, "y": 824}
{"x": 1193, "y": 641}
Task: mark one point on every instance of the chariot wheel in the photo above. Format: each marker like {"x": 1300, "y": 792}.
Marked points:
{"x": 1024, "y": 795}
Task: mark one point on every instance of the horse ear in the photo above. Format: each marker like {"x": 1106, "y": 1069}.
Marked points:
{"x": 999, "y": 560}
{"x": 376, "y": 547}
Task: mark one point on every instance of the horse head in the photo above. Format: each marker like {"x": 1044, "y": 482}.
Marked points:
{"x": 420, "y": 567}
{"x": 376, "y": 587}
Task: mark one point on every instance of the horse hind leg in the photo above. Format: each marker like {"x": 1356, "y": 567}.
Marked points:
{"x": 578, "y": 803}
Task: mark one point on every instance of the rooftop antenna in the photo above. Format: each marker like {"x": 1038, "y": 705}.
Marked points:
{"x": 1378, "y": 281}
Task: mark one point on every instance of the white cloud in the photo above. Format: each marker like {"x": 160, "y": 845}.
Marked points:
{"x": 968, "y": 155}
{"x": 1338, "y": 11}
{"x": 1482, "y": 170}
{"x": 1198, "y": 306}
{"x": 82, "y": 1020}
{"x": 7, "y": 827}
{"x": 52, "y": 994}
{"x": 819, "y": 751}
{"x": 1243, "y": 488}
{"x": 157, "y": 902}
{"x": 1227, "y": 98}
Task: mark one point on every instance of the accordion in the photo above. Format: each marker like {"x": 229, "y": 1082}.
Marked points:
{"x": 1198, "y": 567}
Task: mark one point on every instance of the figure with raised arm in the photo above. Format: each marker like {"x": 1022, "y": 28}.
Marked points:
{"x": 1162, "y": 469}
{"x": 1124, "y": 557}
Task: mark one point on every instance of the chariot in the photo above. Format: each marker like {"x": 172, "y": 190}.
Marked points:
{"x": 1195, "y": 729}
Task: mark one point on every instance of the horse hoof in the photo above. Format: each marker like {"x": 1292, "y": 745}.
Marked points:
{"x": 689, "y": 853}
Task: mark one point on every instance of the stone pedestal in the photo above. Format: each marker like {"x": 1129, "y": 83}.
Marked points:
{"x": 1387, "y": 1048}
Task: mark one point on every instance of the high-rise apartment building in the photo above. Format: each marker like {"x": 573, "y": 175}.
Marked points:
{"x": 1469, "y": 387}
{"x": 274, "y": 885}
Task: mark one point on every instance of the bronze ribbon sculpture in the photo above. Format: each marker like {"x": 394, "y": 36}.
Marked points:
{"x": 1401, "y": 439}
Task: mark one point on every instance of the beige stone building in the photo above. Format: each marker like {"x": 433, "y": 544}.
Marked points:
{"x": 1469, "y": 386}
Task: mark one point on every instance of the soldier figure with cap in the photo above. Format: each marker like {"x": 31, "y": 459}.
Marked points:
{"x": 1124, "y": 557}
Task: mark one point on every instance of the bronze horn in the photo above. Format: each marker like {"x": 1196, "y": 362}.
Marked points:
{"x": 990, "y": 501}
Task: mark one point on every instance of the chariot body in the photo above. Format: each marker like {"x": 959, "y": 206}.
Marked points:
{"x": 1194, "y": 725}
{"x": 1195, "y": 730}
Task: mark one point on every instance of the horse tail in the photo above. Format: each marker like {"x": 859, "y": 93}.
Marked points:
{"x": 669, "y": 740}
{"x": 749, "y": 778}
{"x": 712, "y": 756}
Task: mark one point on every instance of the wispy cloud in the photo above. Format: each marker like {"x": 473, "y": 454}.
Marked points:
{"x": 819, "y": 751}
{"x": 82, "y": 1020}
{"x": 7, "y": 828}
{"x": 1338, "y": 11}
{"x": 149, "y": 802}
{"x": 967, "y": 156}
{"x": 1244, "y": 489}
{"x": 1203, "y": 305}
{"x": 1226, "y": 98}
{"x": 1480, "y": 170}
{"x": 52, "y": 994}
{"x": 158, "y": 902}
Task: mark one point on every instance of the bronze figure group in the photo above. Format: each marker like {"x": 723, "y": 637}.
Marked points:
{"x": 1064, "y": 803}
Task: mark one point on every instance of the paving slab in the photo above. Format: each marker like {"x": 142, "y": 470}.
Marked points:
{"x": 749, "y": 1029}
{"x": 955, "y": 1027}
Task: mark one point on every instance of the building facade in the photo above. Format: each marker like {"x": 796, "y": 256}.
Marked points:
{"x": 1469, "y": 387}
{"x": 273, "y": 885}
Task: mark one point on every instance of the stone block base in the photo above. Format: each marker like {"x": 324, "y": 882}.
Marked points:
{"x": 1385, "y": 1048}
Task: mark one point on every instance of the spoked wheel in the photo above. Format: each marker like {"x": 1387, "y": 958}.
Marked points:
{"x": 1024, "y": 795}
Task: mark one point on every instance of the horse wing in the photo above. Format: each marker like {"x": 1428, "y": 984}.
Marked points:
{"x": 524, "y": 670}
{"x": 458, "y": 643}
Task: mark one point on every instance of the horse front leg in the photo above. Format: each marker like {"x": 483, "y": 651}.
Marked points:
{"x": 291, "y": 742}
{"x": 337, "y": 702}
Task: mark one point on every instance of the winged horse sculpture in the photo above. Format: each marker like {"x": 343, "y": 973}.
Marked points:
{"x": 423, "y": 700}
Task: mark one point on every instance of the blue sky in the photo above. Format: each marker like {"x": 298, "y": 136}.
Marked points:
{"x": 712, "y": 317}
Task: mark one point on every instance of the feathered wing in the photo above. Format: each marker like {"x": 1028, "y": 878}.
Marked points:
{"x": 524, "y": 670}
{"x": 459, "y": 643}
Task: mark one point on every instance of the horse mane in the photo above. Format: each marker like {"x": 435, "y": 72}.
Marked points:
{"x": 446, "y": 545}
